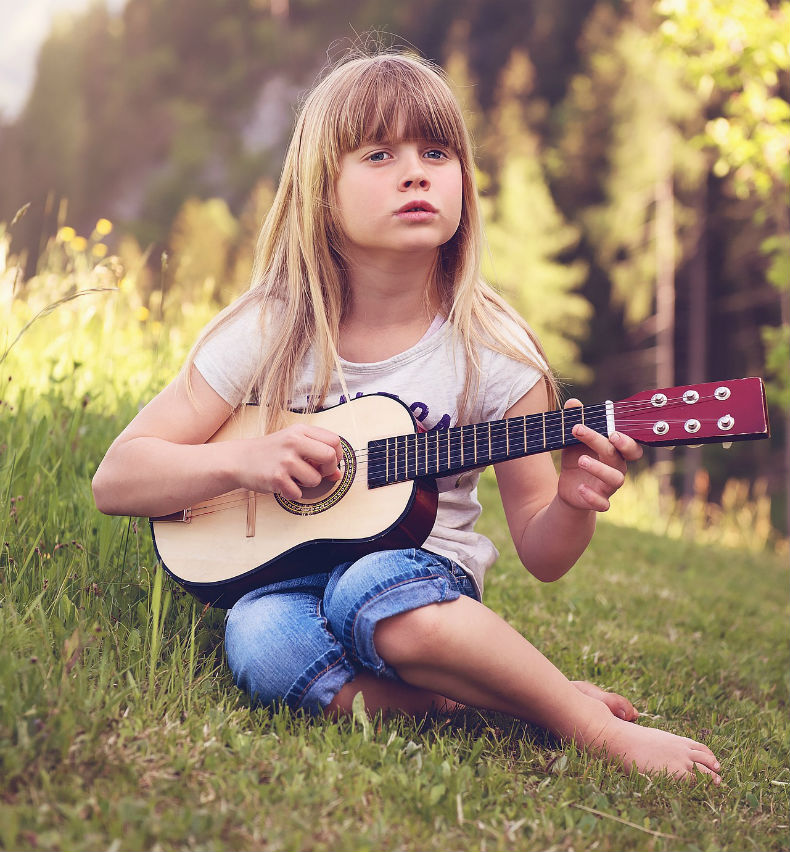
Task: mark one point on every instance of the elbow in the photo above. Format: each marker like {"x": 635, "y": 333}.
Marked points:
{"x": 103, "y": 491}
{"x": 547, "y": 573}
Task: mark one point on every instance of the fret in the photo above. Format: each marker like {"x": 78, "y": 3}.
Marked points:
{"x": 377, "y": 462}
{"x": 468, "y": 446}
{"x": 442, "y": 451}
{"x": 483, "y": 444}
{"x": 544, "y": 428}
{"x": 455, "y": 457}
{"x": 552, "y": 430}
{"x": 499, "y": 440}
{"x": 572, "y": 417}
{"x": 432, "y": 453}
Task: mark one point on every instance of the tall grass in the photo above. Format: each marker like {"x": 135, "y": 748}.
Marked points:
{"x": 120, "y": 727}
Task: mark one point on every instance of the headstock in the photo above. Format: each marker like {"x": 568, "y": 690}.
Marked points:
{"x": 712, "y": 412}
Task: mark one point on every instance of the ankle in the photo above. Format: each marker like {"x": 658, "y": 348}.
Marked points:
{"x": 591, "y": 726}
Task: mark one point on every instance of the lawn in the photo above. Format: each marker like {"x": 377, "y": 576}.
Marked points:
{"x": 120, "y": 727}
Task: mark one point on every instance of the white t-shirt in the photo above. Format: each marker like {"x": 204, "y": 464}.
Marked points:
{"x": 429, "y": 379}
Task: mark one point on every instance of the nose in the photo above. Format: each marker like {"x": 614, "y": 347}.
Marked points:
{"x": 414, "y": 175}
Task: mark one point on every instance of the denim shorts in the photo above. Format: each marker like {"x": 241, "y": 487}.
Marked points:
{"x": 299, "y": 641}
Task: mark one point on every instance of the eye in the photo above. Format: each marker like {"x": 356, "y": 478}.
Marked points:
{"x": 435, "y": 154}
{"x": 378, "y": 156}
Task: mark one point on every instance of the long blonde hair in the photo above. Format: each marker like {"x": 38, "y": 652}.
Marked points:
{"x": 298, "y": 276}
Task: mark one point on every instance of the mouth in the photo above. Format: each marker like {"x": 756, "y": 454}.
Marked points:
{"x": 417, "y": 207}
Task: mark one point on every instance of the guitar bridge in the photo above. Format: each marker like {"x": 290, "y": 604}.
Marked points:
{"x": 182, "y": 517}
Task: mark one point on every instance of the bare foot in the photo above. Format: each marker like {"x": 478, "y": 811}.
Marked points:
{"x": 652, "y": 751}
{"x": 619, "y": 706}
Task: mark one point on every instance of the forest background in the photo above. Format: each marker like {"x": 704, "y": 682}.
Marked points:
{"x": 633, "y": 160}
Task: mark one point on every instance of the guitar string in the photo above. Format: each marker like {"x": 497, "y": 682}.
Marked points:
{"x": 454, "y": 455}
{"x": 623, "y": 409}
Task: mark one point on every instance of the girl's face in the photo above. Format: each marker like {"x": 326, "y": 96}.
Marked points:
{"x": 402, "y": 196}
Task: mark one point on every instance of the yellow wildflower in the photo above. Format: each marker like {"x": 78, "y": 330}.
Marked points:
{"x": 66, "y": 234}
{"x": 103, "y": 227}
{"x": 99, "y": 250}
{"x": 143, "y": 313}
{"x": 79, "y": 244}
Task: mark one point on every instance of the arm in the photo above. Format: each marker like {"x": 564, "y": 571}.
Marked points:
{"x": 161, "y": 462}
{"x": 551, "y": 518}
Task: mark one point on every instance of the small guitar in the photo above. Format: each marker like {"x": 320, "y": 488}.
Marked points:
{"x": 386, "y": 497}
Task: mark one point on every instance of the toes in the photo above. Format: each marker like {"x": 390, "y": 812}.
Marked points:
{"x": 705, "y": 757}
{"x": 620, "y": 707}
{"x": 702, "y": 769}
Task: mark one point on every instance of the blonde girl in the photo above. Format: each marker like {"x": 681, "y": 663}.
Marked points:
{"x": 367, "y": 280}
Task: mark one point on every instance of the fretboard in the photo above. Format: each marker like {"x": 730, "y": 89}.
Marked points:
{"x": 449, "y": 451}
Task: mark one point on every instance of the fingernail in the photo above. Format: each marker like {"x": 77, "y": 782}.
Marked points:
{"x": 584, "y": 461}
{"x": 615, "y": 436}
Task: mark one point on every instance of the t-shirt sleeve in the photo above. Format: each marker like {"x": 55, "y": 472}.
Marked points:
{"x": 228, "y": 358}
{"x": 507, "y": 380}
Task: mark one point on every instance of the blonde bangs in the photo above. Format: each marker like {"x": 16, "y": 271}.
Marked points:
{"x": 384, "y": 99}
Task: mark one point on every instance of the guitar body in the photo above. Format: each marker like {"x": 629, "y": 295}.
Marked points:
{"x": 223, "y": 548}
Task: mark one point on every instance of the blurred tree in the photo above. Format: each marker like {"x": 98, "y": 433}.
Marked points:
{"x": 633, "y": 94}
{"x": 527, "y": 235}
{"x": 736, "y": 57}
{"x": 201, "y": 248}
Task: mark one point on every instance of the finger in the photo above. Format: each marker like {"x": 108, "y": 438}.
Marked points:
{"x": 323, "y": 456}
{"x": 592, "y": 499}
{"x": 330, "y": 439}
{"x": 628, "y": 448}
{"x": 599, "y": 444}
{"x": 305, "y": 475}
{"x": 611, "y": 477}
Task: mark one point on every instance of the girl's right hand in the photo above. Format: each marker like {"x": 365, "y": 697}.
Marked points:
{"x": 284, "y": 462}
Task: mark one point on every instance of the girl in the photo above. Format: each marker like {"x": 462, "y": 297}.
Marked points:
{"x": 367, "y": 280}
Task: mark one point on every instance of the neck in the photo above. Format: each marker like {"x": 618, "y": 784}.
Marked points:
{"x": 387, "y": 290}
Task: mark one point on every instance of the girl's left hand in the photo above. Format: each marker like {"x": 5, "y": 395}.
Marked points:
{"x": 593, "y": 470}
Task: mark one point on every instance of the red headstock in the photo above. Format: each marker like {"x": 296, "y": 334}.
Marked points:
{"x": 713, "y": 412}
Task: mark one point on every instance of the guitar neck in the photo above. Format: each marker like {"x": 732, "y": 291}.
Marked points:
{"x": 450, "y": 451}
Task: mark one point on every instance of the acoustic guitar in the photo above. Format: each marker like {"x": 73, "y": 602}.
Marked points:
{"x": 386, "y": 497}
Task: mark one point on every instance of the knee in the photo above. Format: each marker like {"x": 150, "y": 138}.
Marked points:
{"x": 410, "y": 637}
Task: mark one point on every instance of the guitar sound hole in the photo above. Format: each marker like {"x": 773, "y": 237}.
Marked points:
{"x": 324, "y": 488}
{"x": 328, "y": 492}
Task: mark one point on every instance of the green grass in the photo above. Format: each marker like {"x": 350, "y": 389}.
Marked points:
{"x": 120, "y": 727}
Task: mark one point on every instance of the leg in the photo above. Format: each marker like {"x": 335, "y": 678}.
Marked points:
{"x": 388, "y": 696}
{"x": 467, "y": 652}
{"x": 280, "y": 649}
{"x": 376, "y": 586}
